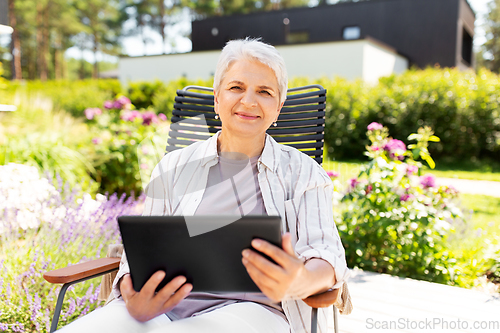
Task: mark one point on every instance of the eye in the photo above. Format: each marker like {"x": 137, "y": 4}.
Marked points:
{"x": 265, "y": 92}
{"x": 235, "y": 88}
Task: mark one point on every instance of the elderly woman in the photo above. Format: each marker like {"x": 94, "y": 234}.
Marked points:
{"x": 250, "y": 88}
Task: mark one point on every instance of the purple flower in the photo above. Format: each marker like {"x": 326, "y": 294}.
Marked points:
{"x": 108, "y": 105}
{"x": 123, "y": 100}
{"x": 375, "y": 126}
{"x": 395, "y": 148}
{"x": 428, "y": 181}
{"x": 332, "y": 174}
{"x": 411, "y": 169}
{"x": 91, "y": 112}
{"x": 405, "y": 197}
{"x": 149, "y": 117}
{"x": 353, "y": 182}
{"x": 96, "y": 140}
{"x": 130, "y": 115}
{"x": 162, "y": 116}
{"x": 117, "y": 105}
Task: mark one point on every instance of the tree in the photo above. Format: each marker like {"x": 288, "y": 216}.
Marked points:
{"x": 102, "y": 21}
{"x": 15, "y": 44}
{"x": 491, "y": 48}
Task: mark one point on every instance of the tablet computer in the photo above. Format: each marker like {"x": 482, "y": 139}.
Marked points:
{"x": 205, "y": 249}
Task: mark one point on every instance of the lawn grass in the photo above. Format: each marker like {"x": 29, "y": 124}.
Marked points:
{"x": 477, "y": 243}
{"x": 485, "y": 171}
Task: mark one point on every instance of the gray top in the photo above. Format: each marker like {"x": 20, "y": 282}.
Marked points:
{"x": 232, "y": 189}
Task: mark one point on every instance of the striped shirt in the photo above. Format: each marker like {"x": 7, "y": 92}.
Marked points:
{"x": 293, "y": 186}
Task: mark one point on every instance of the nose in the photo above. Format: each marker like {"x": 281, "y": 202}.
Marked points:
{"x": 249, "y": 99}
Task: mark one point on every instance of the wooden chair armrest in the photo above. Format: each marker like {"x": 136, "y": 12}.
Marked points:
{"x": 323, "y": 300}
{"x": 83, "y": 270}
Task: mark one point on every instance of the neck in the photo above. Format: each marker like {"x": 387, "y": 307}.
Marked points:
{"x": 250, "y": 146}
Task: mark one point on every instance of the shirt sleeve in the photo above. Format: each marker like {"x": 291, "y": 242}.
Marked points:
{"x": 318, "y": 236}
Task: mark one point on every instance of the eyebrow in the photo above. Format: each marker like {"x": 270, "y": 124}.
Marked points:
{"x": 241, "y": 83}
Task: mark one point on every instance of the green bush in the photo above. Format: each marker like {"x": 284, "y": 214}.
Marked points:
{"x": 160, "y": 96}
{"x": 463, "y": 108}
{"x": 71, "y": 96}
{"x": 126, "y": 144}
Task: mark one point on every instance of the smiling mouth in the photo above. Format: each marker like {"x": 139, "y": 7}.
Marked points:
{"x": 246, "y": 116}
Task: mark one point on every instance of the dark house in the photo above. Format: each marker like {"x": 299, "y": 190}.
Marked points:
{"x": 427, "y": 32}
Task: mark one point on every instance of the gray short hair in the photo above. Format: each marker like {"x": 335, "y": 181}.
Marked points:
{"x": 252, "y": 49}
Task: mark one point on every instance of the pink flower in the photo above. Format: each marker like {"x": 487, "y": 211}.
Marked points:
{"x": 405, "y": 197}
{"x": 91, "y": 112}
{"x": 332, "y": 174}
{"x": 96, "y": 140}
{"x": 130, "y": 115}
{"x": 395, "y": 148}
{"x": 375, "y": 126}
{"x": 162, "y": 116}
{"x": 375, "y": 148}
{"x": 353, "y": 182}
{"x": 368, "y": 188}
{"x": 144, "y": 166}
{"x": 411, "y": 169}
{"x": 428, "y": 181}
{"x": 149, "y": 117}
{"x": 108, "y": 105}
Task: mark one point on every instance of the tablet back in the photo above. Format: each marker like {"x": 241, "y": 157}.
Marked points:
{"x": 211, "y": 261}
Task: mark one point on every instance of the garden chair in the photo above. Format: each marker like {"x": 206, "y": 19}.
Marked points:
{"x": 301, "y": 124}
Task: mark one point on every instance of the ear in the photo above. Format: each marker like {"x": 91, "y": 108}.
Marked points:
{"x": 279, "y": 109}
{"x": 216, "y": 102}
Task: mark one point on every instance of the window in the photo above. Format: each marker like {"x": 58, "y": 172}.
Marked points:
{"x": 466, "y": 47}
{"x": 353, "y": 32}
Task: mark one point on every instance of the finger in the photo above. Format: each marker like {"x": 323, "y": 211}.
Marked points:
{"x": 277, "y": 254}
{"x": 150, "y": 286}
{"x": 261, "y": 276}
{"x": 286, "y": 243}
{"x": 126, "y": 287}
{"x": 268, "y": 286}
{"x": 176, "y": 298}
{"x": 264, "y": 265}
{"x": 170, "y": 288}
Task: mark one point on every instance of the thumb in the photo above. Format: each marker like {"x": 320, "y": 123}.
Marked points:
{"x": 286, "y": 243}
{"x": 126, "y": 287}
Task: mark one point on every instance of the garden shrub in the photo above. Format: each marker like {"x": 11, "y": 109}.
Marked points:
{"x": 71, "y": 96}
{"x": 126, "y": 145}
{"x": 160, "y": 96}
{"x": 463, "y": 108}
{"x": 394, "y": 221}
{"x": 44, "y": 226}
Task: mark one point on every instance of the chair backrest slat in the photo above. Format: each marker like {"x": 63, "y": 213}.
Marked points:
{"x": 301, "y": 123}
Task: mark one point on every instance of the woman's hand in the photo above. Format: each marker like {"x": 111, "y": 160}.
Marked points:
{"x": 146, "y": 305}
{"x": 290, "y": 278}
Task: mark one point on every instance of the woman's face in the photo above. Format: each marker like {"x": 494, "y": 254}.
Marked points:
{"x": 248, "y": 99}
